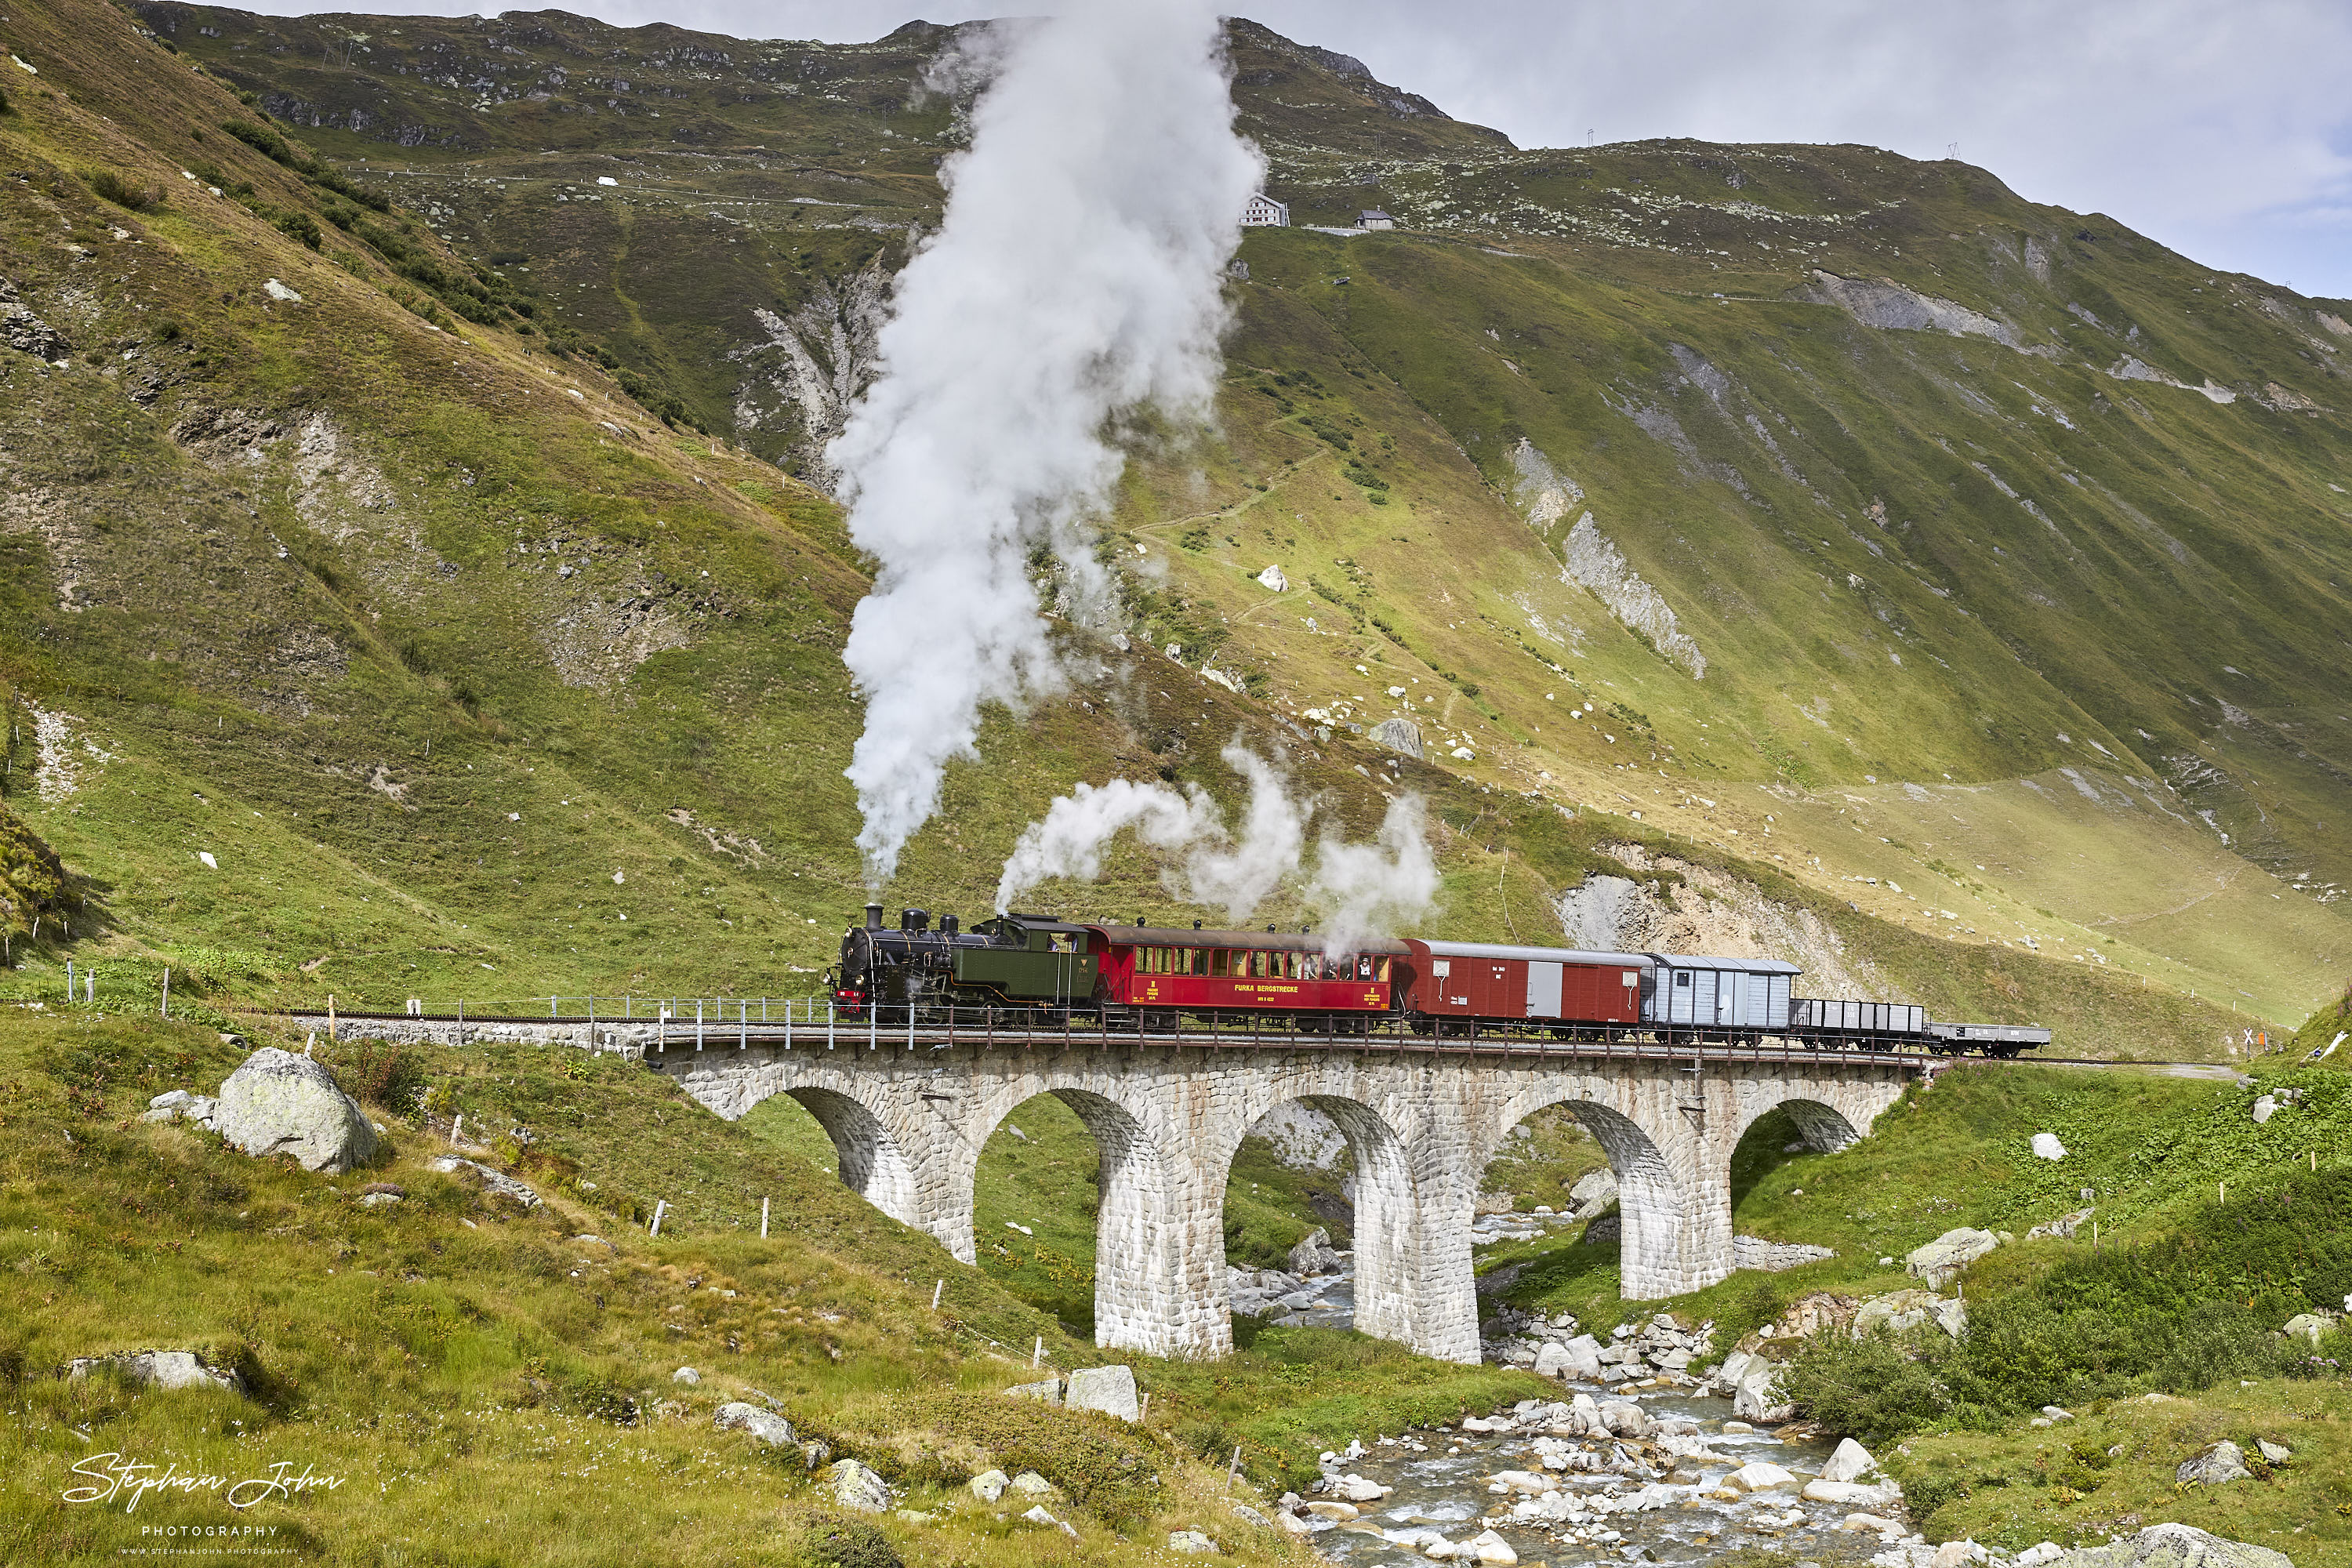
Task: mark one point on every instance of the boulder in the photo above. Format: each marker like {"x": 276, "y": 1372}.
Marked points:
{"x": 1902, "y": 1310}
{"x": 1594, "y": 1191}
{"x": 1623, "y": 1418}
{"x": 1940, "y": 1261}
{"x": 1862, "y": 1521}
{"x": 2272, "y": 1453}
{"x": 1850, "y": 1494}
{"x": 2065, "y": 1224}
{"x": 1851, "y": 1462}
{"x": 852, "y": 1486}
{"x": 1109, "y": 1389}
{"x": 1340, "y": 1512}
{"x": 2047, "y": 1147}
{"x": 2175, "y": 1546}
{"x": 1272, "y": 577}
{"x": 1315, "y": 1255}
{"x": 1758, "y": 1477}
{"x": 2266, "y": 1107}
{"x": 1049, "y": 1391}
{"x": 161, "y": 1368}
{"x": 1958, "y": 1555}
{"x": 2215, "y": 1464}
{"x": 1356, "y": 1489}
{"x": 378, "y": 1200}
{"x": 169, "y": 1105}
{"x": 2308, "y": 1325}
{"x": 765, "y": 1425}
{"x": 1487, "y": 1547}
{"x": 1402, "y": 736}
{"x": 686, "y": 1376}
{"x": 1756, "y": 1396}
{"x": 1191, "y": 1543}
{"x": 278, "y": 1102}
{"x": 2036, "y": 1555}
{"x": 1292, "y": 1523}
{"x": 498, "y": 1184}
{"x": 1039, "y": 1516}
{"x": 1579, "y": 1358}
{"x": 1029, "y": 1483}
{"x": 988, "y": 1485}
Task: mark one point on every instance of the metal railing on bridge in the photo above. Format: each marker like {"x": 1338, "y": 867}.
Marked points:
{"x": 818, "y": 1023}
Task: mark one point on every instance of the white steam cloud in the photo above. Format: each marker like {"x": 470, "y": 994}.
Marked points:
{"x": 1074, "y": 280}
{"x": 1360, "y": 890}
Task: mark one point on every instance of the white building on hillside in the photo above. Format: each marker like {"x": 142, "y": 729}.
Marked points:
{"x": 1262, "y": 210}
{"x": 1374, "y": 219}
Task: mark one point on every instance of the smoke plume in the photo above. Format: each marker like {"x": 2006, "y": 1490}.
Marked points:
{"x": 1074, "y": 281}
{"x": 1360, "y": 890}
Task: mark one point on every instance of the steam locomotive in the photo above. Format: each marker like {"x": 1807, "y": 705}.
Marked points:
{"x": 1036, "y": 968}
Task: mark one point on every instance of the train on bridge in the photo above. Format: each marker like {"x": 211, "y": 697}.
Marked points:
{"x": 1033, "y": 967}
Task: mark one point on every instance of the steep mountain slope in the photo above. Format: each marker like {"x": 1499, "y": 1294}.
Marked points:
{"x": 536, "y": 691}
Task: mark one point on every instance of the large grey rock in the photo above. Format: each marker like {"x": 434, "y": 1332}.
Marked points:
{"x": 2047, "y": 1147}
{"x": 2174, "y": 1546}
{"x": 1109, "y": 1389}
{"x": 2065, "y": 1224}
{"x": 1940, "y": 1261}
{"x": 1315, "y": 1255}
{"x": 169, "y": 1105}
{"x": 988, "y": 1485}
{"x": 1191, "y": 1543}
{"x": 1623, "y": 1418}
{"x": 1575, "y": 1358}
{"x": 852, "y": 1486}
{"x": 161, "y": 1368}
{"x": 27, "y": 333}
{"x": 2266, "y": 1107}
{"x": 498, "y": 1184}
{"x": 1849, "y": 1463}
{"x": 2215, "y": 1464}
{"x": 1594, "y": 1191}
{"x": 278, "y": 1102}
{"x": 1903, "y": 1310}
{"x": 765, "y": 1425}
{"x": 2308, "y": 1325}
{"x": 1400, "y": 735}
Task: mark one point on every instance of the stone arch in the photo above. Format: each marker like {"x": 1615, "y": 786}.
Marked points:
{"x": 1823, "y": 1128}
{"x": 1653, "y": 1200}
{"x": 873, "y": 1165}
{"x": 1153, "y": 1267}
{"x": 1386, "y": 1214}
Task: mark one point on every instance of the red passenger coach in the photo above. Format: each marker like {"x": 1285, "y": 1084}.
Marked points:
{"x": 1481, "y": 980}
{"x": 1156, "y": 970}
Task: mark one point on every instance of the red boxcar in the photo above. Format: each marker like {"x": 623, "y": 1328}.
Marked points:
{"x": 1479, "y": 980}
{"x": 1241, "y": 970}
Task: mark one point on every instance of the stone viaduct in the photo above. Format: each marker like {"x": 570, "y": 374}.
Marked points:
{"x": 1169, "y": 1117}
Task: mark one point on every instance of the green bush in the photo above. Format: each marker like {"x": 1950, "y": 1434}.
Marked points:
{"x": 110, "y": 186}
{"x": 301, "y": 226}
{"x": 837, "y": 1541}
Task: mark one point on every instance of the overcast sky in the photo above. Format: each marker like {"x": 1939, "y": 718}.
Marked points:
{"x": 2223, "y": 130}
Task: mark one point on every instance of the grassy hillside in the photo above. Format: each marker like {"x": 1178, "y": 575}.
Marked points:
{"x": 482, "y": 1372}
{"x": 1994, "y": 574}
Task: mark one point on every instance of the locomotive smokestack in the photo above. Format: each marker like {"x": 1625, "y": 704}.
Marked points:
{"x": 873, "y": 917}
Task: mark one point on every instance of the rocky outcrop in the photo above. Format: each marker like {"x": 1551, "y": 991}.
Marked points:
{"x": 1109, "y": 1389}
{"x": 2217, "y": 1464}
{"x": 2173, "y": 1546}
{"x": 765, "y": 1425}
{"x": 160, "y": 1369}
{"x": 1315, "y": 1255}
{"x": 279, "y": 1103}
{"x": 852, "y": 1486}
{"x": 1899, "y": 1311}
{"x": 1939, "y": 1262}
{"x": 498, "y": 1184}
